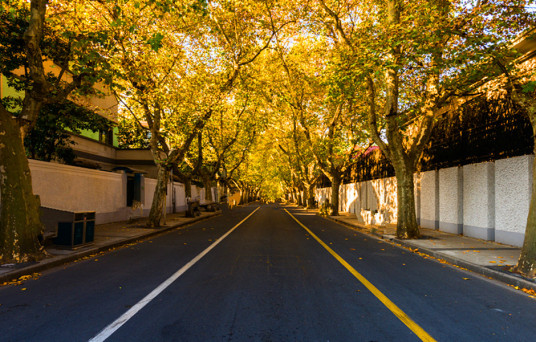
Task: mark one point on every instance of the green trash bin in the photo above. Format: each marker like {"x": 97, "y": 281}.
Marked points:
{"x": 78, "y": 232}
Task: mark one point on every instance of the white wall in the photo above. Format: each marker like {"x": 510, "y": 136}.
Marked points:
{"x": 74, "y": 188}
{"x": 486, "y": 200}
{"x": 429, "y": 209}
{"x": 451, "y": 200}
{"x": 479, "y": 200}
{"x": 180, "y": 197}
{"x": 513, "y": 183}
{"x": 78, "y": 189}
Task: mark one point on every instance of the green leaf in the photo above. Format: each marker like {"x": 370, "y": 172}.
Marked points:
{"x": 156, "y": 41}
{"x": 529, "y": 87}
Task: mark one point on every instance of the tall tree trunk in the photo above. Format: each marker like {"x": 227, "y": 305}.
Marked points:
{"x": 406, "y": 227}
{"x": 527, "y": 260}
{"x": 300, "y": 197}
{"x": 310, "y": 190}
{"x": 335, "y": 186}
{"x": 208, "y": 190}
{"x": 526, "y": 264}
{"x": 188, "y": 187}
{"x": 159, "y": 197}
{"x": 20, "y": 224}
{"x": 243, "y": 196}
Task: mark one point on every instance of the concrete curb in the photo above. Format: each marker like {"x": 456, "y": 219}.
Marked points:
{"x": 478, "y": 269}
{"x": 506, "y": 278}
{"x": 65, "y": 259}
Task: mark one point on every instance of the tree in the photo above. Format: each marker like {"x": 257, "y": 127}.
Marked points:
{"x": 51, "y": 137}
{"x": 178, "y": 63}
{"x": 413, "y": 59}
{"x": 230, "y": 136}
{"x": 519, "y": 84}
{"x": 29, "y": 40}
{"x": 322, "y": 112}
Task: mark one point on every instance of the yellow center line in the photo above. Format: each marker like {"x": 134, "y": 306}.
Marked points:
{"x": 423, "y": 335}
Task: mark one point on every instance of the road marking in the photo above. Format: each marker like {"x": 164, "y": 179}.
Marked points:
{"x": 423, "y": 335}
{"x": 110, "y": 329}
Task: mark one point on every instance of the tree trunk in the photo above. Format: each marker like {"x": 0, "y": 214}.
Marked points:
{"x": 300, "y": 197}
{"x": 188, "y": 188}
{"x": 406, "y": 227}
{"x": 20, "y": 223}
{"x": 335, "y": 185}
{"x": 527, "y": 260}
{"x": 526, "y": 264}
{"x": 310, "y": 190}
{"x": 159, "y": 197}
{"x": 242, "y": 196}
{"x": 208, "y": 190}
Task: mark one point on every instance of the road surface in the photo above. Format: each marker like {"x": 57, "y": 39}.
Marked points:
{"x": 263, "y": 273}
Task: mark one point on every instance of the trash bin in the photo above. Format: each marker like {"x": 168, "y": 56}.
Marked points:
{"x": 79, "y": 231}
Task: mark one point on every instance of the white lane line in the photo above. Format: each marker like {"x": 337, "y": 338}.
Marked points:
{"x": 110, "y": 329}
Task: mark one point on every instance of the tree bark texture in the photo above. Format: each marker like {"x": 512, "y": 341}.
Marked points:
{"x": 300, "y": 197}
{"x": 20, "y": 224}
{"x": 310, "y": 191}
{"x": 159, "y": 197}
{"x": 406, "y": 226}
{"x": 335, "y": 186}
{"x": 527, "y": 260}
{"x": 208, "y": 190}
{"x": 526, "y": 264}
{"x": 188, "y": 188}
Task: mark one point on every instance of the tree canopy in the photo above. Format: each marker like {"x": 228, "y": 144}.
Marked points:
{"x": 262, "y": 97}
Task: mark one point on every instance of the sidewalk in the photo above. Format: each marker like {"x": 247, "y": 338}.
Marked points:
{"x": 486, "y": 258}
{"x": 107, "y": 236}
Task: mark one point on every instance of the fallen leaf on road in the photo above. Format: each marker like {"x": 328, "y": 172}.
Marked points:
{"x": 352, "y": 249}
{"x": 465, "y": 278}
{"x": 23, "y": 289}
{"x": 493, "y": 262}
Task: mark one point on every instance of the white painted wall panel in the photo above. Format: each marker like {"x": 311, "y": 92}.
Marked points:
{"x": 479, "y": 200}
{"x": 513, "y": 181}
{"x": 73, "y": 188}
{"x": 451, "y": 200}
{"x": 429, "y": 200}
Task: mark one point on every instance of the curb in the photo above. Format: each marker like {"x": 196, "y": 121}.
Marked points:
{"x": 478, "y": 269}
{"x": 506, "y": 278}
{"x": 62, "y": 260}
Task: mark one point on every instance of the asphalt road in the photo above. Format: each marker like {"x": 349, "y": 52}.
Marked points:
{"x": 268, "y": 280}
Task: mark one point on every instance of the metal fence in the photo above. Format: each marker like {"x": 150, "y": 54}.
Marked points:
{"x": 482, "y": 130}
